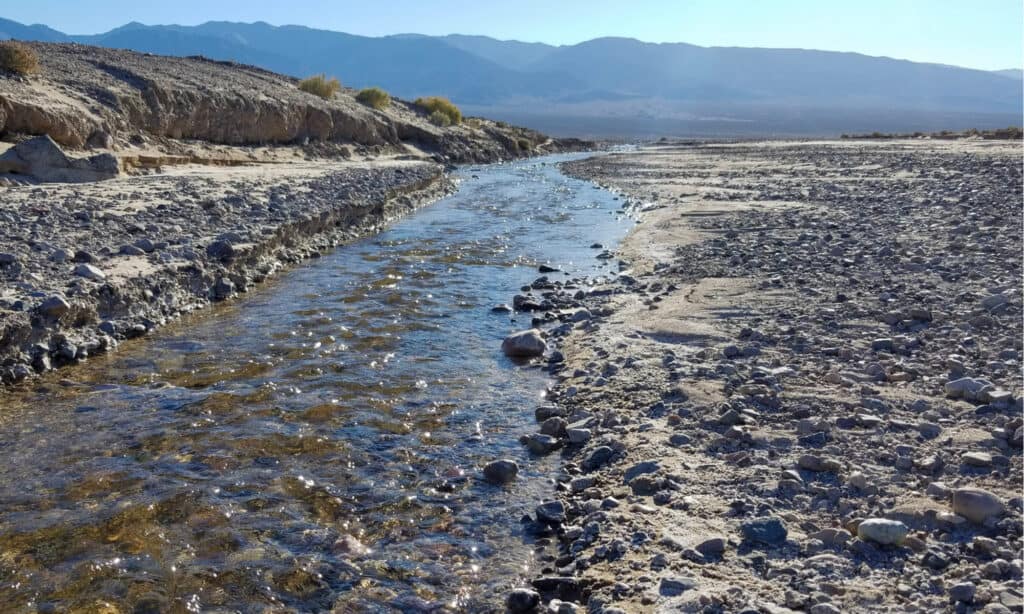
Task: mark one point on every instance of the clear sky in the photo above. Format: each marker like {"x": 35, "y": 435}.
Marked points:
{"x": 983, "y": 34}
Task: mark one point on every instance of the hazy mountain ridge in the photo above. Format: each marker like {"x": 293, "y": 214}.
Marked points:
{"x": 1013, "y": 73}
{"x": 614, "y": 76}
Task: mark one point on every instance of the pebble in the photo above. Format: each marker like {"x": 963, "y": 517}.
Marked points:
{"x": 962, "y": 592}
{"x": 578, "y": 435}
{"x": 89, "y": 271}
{"x": 55, "y": 306}
{"x": 713, "y": 546}
{"x": 858, "y": 480}
{"x": 676, "y": 585}
{"x": 501, "y": 471}
{"x": 542, "y": 444}
{"x": 977, "y": 459}
{"x": 522, "y": 600}
{"x": 598, "y": 457}
{"x": 965, "y": 388}
{"x": 551, "y": 512}
{"x": 524, "y": 344}
{"x": 769, "y": 530}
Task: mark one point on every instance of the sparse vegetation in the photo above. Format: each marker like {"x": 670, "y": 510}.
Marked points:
{"x": 1011, "y": 133}
{"x": 437, "y": 105}
{"x": 18, "y": 58}
{"x": 440, "y": 119}
{"x": 374, "y": 97}
{"x": 320, "y": 85}
{"x": 524, "y": 144}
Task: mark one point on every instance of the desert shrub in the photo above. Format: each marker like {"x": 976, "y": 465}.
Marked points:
{"x": 524, "y": 144}
{"x": 436, "y": 104}
{"x": 374, "y": 97}
{"x": 440, "y": 119}
{"x": 320, "y": 85}
{"x": 18, "y": 58}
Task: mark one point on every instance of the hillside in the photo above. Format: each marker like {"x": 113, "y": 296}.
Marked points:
{"x": 86, "y": 95}
{"x": 599, "y": 84}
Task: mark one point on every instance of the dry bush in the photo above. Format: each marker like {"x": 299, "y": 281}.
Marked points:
{"x": 18, "y": 58}
{"x": 374, "y": 97}
{"x": 320, "y": 85}
{"x": 437, "y": 105}
{"x": 440, "y": 119}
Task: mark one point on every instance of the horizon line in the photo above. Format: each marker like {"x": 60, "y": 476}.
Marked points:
{"x": 514, "y": 40}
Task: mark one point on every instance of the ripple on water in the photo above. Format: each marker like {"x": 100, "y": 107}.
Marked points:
{"x": 313, "y": 444}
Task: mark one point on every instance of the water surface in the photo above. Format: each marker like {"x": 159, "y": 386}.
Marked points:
{"x": 314, "y": 444}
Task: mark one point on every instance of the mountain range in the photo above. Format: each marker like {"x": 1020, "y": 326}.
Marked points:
{"x": 606, "y": 86}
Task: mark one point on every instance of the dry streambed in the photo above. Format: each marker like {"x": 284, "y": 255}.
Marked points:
{"x": 803, "y": 392}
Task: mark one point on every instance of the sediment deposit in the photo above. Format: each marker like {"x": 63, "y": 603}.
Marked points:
{"x": 802, "y": 393}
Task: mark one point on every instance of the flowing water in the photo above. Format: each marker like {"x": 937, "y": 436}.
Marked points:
{"x": 314, "y": 444}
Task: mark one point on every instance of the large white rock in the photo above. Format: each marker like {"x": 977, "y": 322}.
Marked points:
{"x": 524, "y": 344}
{"x": 966, "y": 388}
{"x": 882, "y": 531}
{"x": 43, "y": 159}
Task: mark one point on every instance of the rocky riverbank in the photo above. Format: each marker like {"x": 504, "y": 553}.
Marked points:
{"x": 803, "y": 391}
{"x": 85, "y": 265}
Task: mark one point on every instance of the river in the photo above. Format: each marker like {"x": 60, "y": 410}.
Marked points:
{"x": 315, "y": 443}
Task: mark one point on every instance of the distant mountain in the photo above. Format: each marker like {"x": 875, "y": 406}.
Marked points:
{"x": 510, "y": 54}
{"x": 407, "y": 66}
{"x": 625, "y": 80}
{"x": 779, "y": 76}
{"x": 1013, "y": 73}
{"x": 36, "y": 32}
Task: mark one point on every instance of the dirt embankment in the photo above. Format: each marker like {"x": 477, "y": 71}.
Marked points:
{"x": 804, "y": 391}
{"x": 112, "y": 98}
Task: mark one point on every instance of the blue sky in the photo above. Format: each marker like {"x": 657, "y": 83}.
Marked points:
{"x": 983, "y": 34}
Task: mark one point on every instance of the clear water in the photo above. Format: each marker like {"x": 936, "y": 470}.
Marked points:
{"x": 314, "y": 444}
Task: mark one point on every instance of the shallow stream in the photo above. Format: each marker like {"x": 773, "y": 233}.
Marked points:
{"x": 316, "y": 443}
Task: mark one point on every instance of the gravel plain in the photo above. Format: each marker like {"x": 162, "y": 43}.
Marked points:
{"x": 801, "y": 393}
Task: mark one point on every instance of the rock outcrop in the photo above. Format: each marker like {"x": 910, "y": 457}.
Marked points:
{"x": 44, "y": 160}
